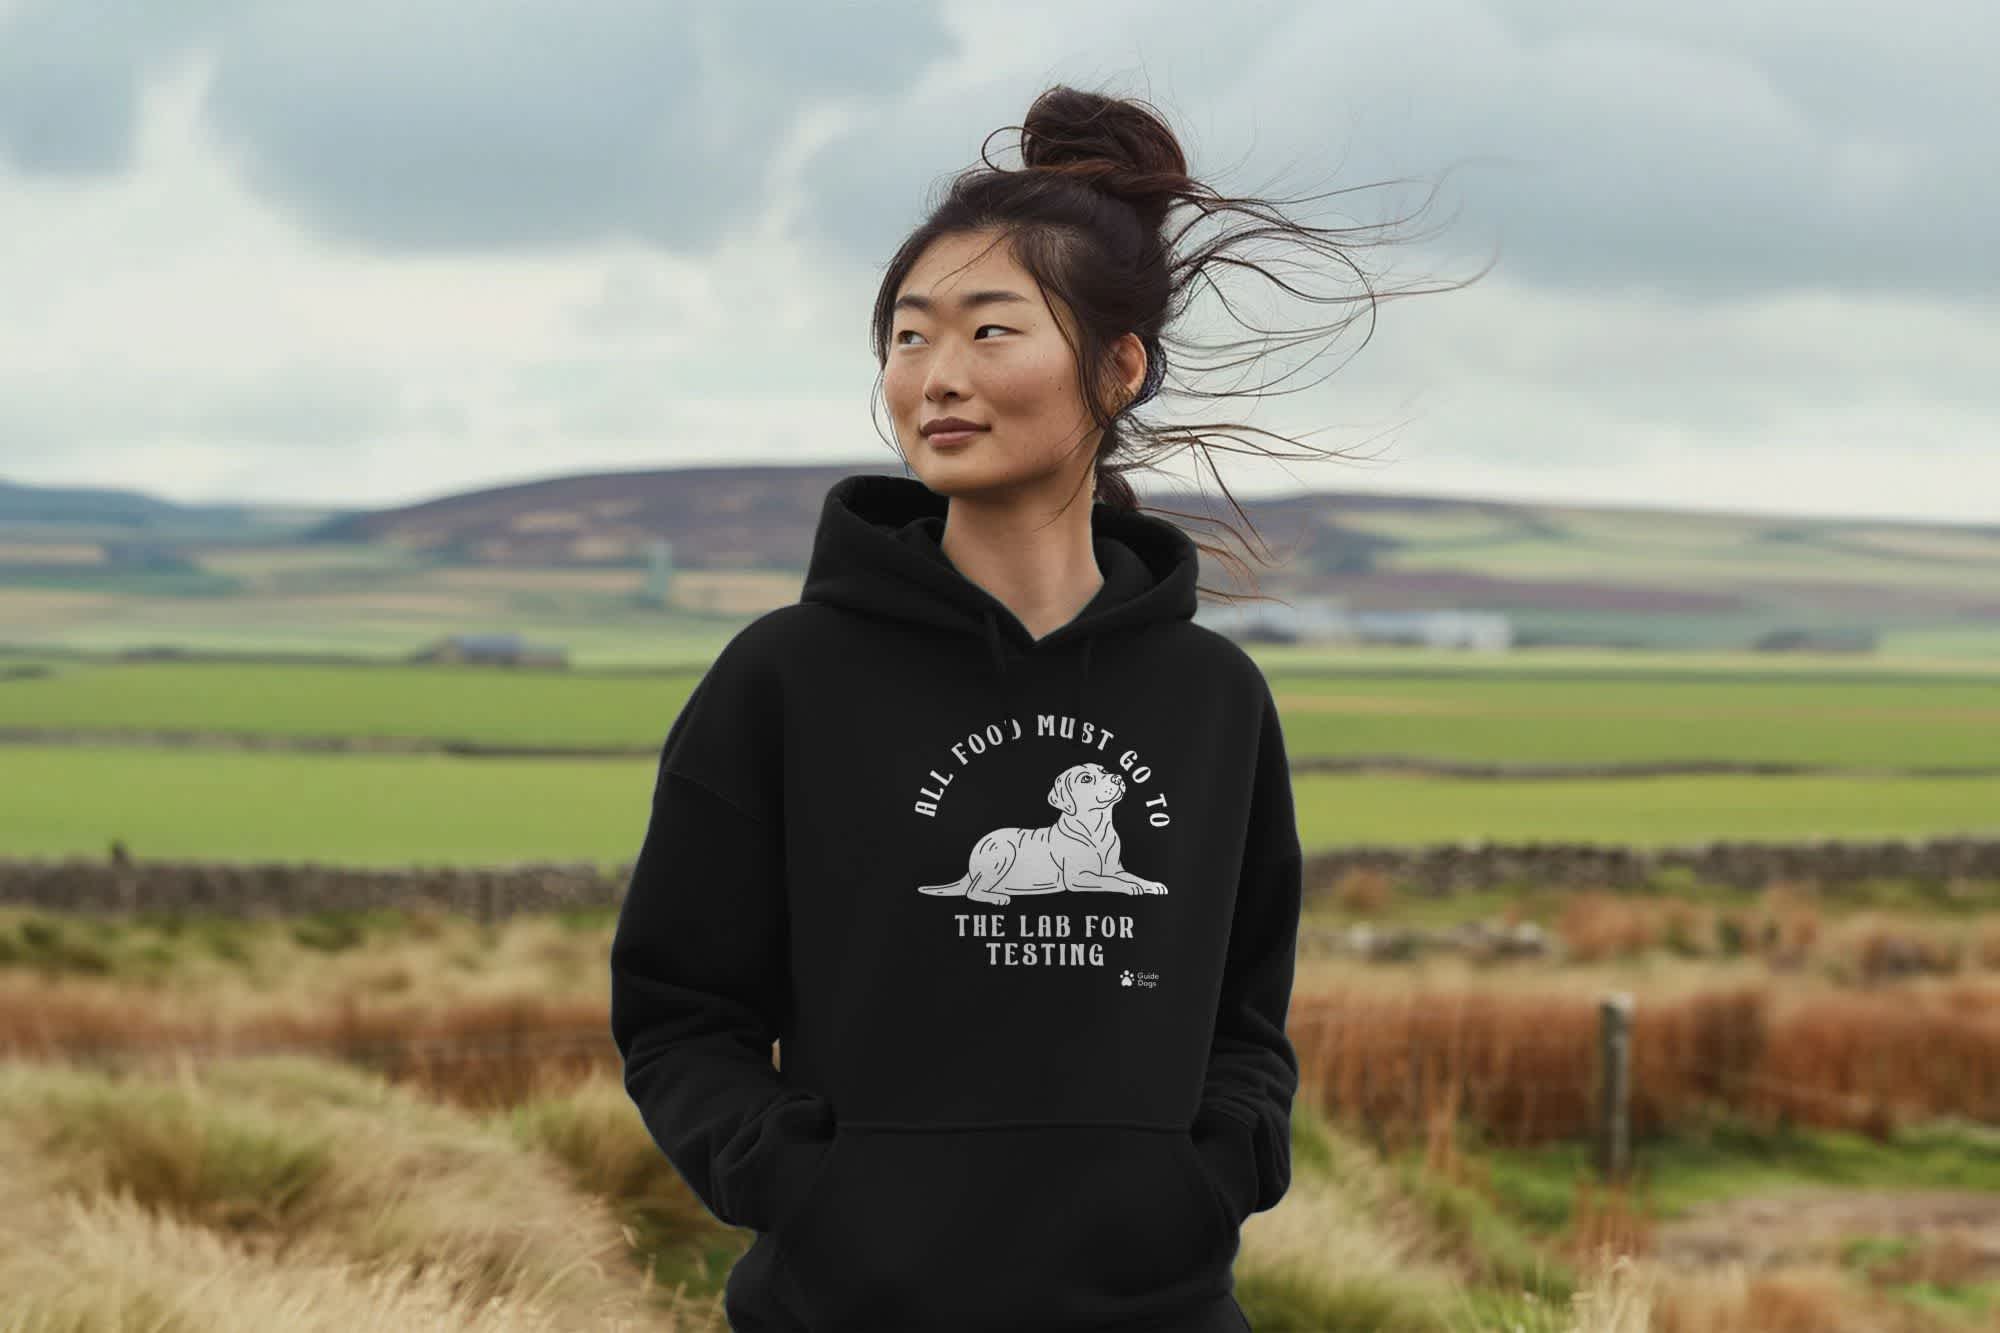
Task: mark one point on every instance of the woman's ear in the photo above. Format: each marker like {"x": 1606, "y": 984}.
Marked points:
{"x": 1129, "y": 356}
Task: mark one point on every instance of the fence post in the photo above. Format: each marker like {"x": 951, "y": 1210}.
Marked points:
{"x": 1614, "y": 1105}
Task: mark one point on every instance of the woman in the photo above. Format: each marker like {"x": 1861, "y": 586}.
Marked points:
{"x": 986, "y": 832}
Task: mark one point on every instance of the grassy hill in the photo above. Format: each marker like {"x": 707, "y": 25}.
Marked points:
{"x": 566, "y": 559}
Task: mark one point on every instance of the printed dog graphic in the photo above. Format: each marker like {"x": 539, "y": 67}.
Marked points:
{"x": 1077, "y": 853}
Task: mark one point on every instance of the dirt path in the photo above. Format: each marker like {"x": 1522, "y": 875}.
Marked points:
{"x": 1814, "y": 1222}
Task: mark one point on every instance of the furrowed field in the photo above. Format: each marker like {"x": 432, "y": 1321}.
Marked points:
{"x": 412, "y": 1119}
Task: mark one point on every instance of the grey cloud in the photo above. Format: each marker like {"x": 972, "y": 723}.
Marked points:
{"x": 1709, "y": 152}
{"x": 309, "y": 406}
{"x": 863, "y": 200}
{"x": 406, "y": 126}
{"x": 537, "y": 124}
{"x": 1704, "y": 151}
{"x": 69, "y": 76}
{"x": 316, "y": 408}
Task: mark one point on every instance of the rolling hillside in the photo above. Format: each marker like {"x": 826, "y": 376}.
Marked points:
{"x": 571, "y": 552}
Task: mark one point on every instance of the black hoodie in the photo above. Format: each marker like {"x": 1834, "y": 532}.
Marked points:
{"x": 1019, "y": 912}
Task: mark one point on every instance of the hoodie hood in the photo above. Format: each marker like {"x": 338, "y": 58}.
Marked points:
{"x": 878, "y": 550}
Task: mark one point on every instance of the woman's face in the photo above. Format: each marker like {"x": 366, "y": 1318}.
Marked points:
{"x": 1000, "y": 362}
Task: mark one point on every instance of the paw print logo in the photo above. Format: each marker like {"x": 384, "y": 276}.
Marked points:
{"x": 1125, "y": 977}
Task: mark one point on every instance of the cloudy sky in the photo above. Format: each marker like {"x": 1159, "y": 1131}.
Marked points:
{"x": 373, "y": 251}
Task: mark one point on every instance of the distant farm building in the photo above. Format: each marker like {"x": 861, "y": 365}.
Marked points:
{"x": 1320, "y": 620}
{"x": 493, "y": 649}
{"x": 1818, "y": 640}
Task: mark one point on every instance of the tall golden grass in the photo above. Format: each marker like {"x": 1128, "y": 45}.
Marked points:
{"x": 516, "y": 1017}
{"x": 480, "y": 1053}
{"x": 1788, "y": 925}
{"x": 294, "y": 1193}
{"x": 1525, "y": 1066}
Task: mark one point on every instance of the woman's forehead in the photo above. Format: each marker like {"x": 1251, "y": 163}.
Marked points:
{"x": 962, "y": 260}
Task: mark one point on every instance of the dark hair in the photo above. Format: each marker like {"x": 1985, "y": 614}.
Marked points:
{"x": 1086, "y": 215}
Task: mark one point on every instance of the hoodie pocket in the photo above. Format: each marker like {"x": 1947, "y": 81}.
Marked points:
{"x": 1049, "y": 1227}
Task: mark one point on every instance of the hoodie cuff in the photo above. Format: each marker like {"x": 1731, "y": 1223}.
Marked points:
{"x": 798, "y": 1164}
{"x": 765, "y": 1186}
{"x": 1228, "y": 1149}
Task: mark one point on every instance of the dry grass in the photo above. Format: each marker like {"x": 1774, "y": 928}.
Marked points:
{"x": 1524, "y": 1064}
{"x": 488, "y": 1051}
{"x": 475, "y": 1163}
{"x": 112, "y": 1263}
{"x": 297, "y": 1194}
{"x": 1364, "y": 890}
{"x": 484, "y": 1016}
{"x": 1802, "y": 1299}
{"x": 488, "y": 1016}
{"x": 1346, "y": 1249}
{"x": 1607, "y": 1218}
{"x": 290, "y": 1193}
{"x": 1782, "y": 925}
{"x": 1618, "y": 1298}
{"x": 1598, "y": 925}
{"x": 293, "y": 1193}
{"x": 1627, "y": 1294}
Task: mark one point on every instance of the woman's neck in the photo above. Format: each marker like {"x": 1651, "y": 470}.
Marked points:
{"x": 1044, "y": 571}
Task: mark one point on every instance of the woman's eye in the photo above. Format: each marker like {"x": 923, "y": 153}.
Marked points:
{"x": 975, "y": 333}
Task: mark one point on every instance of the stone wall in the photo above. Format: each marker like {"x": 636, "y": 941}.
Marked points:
{"x": 1441, "y": 869}
{"x": 269, "y": 888}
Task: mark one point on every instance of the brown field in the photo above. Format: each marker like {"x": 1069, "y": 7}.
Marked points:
{"x": 504, "y": 578}
{"x": 733, "y": 592}
{"x": 50, "y": 553}
{"x": 33, "y": 608}
{"x": 1400, "y": 588}
{"x": 416, "y": 603}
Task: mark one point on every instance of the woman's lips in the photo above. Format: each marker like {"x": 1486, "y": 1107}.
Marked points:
{"x": 948, "y": 437}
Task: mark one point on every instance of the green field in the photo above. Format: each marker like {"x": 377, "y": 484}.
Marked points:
{"x": 381, "y": 809}
{"x": 1844, "y": 718}
{"x": 250, "y": 628}
{"x": 387, "y": 810}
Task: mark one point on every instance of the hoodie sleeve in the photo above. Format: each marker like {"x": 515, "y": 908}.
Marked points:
{"x": 700, "y": 979}
{"x": 1243, "y": 1128}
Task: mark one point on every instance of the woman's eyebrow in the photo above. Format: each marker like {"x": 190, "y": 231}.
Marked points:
{"x": 965, "y": 302}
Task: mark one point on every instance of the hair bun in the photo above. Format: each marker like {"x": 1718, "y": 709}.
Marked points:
{"x": 1118, "y": 145}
